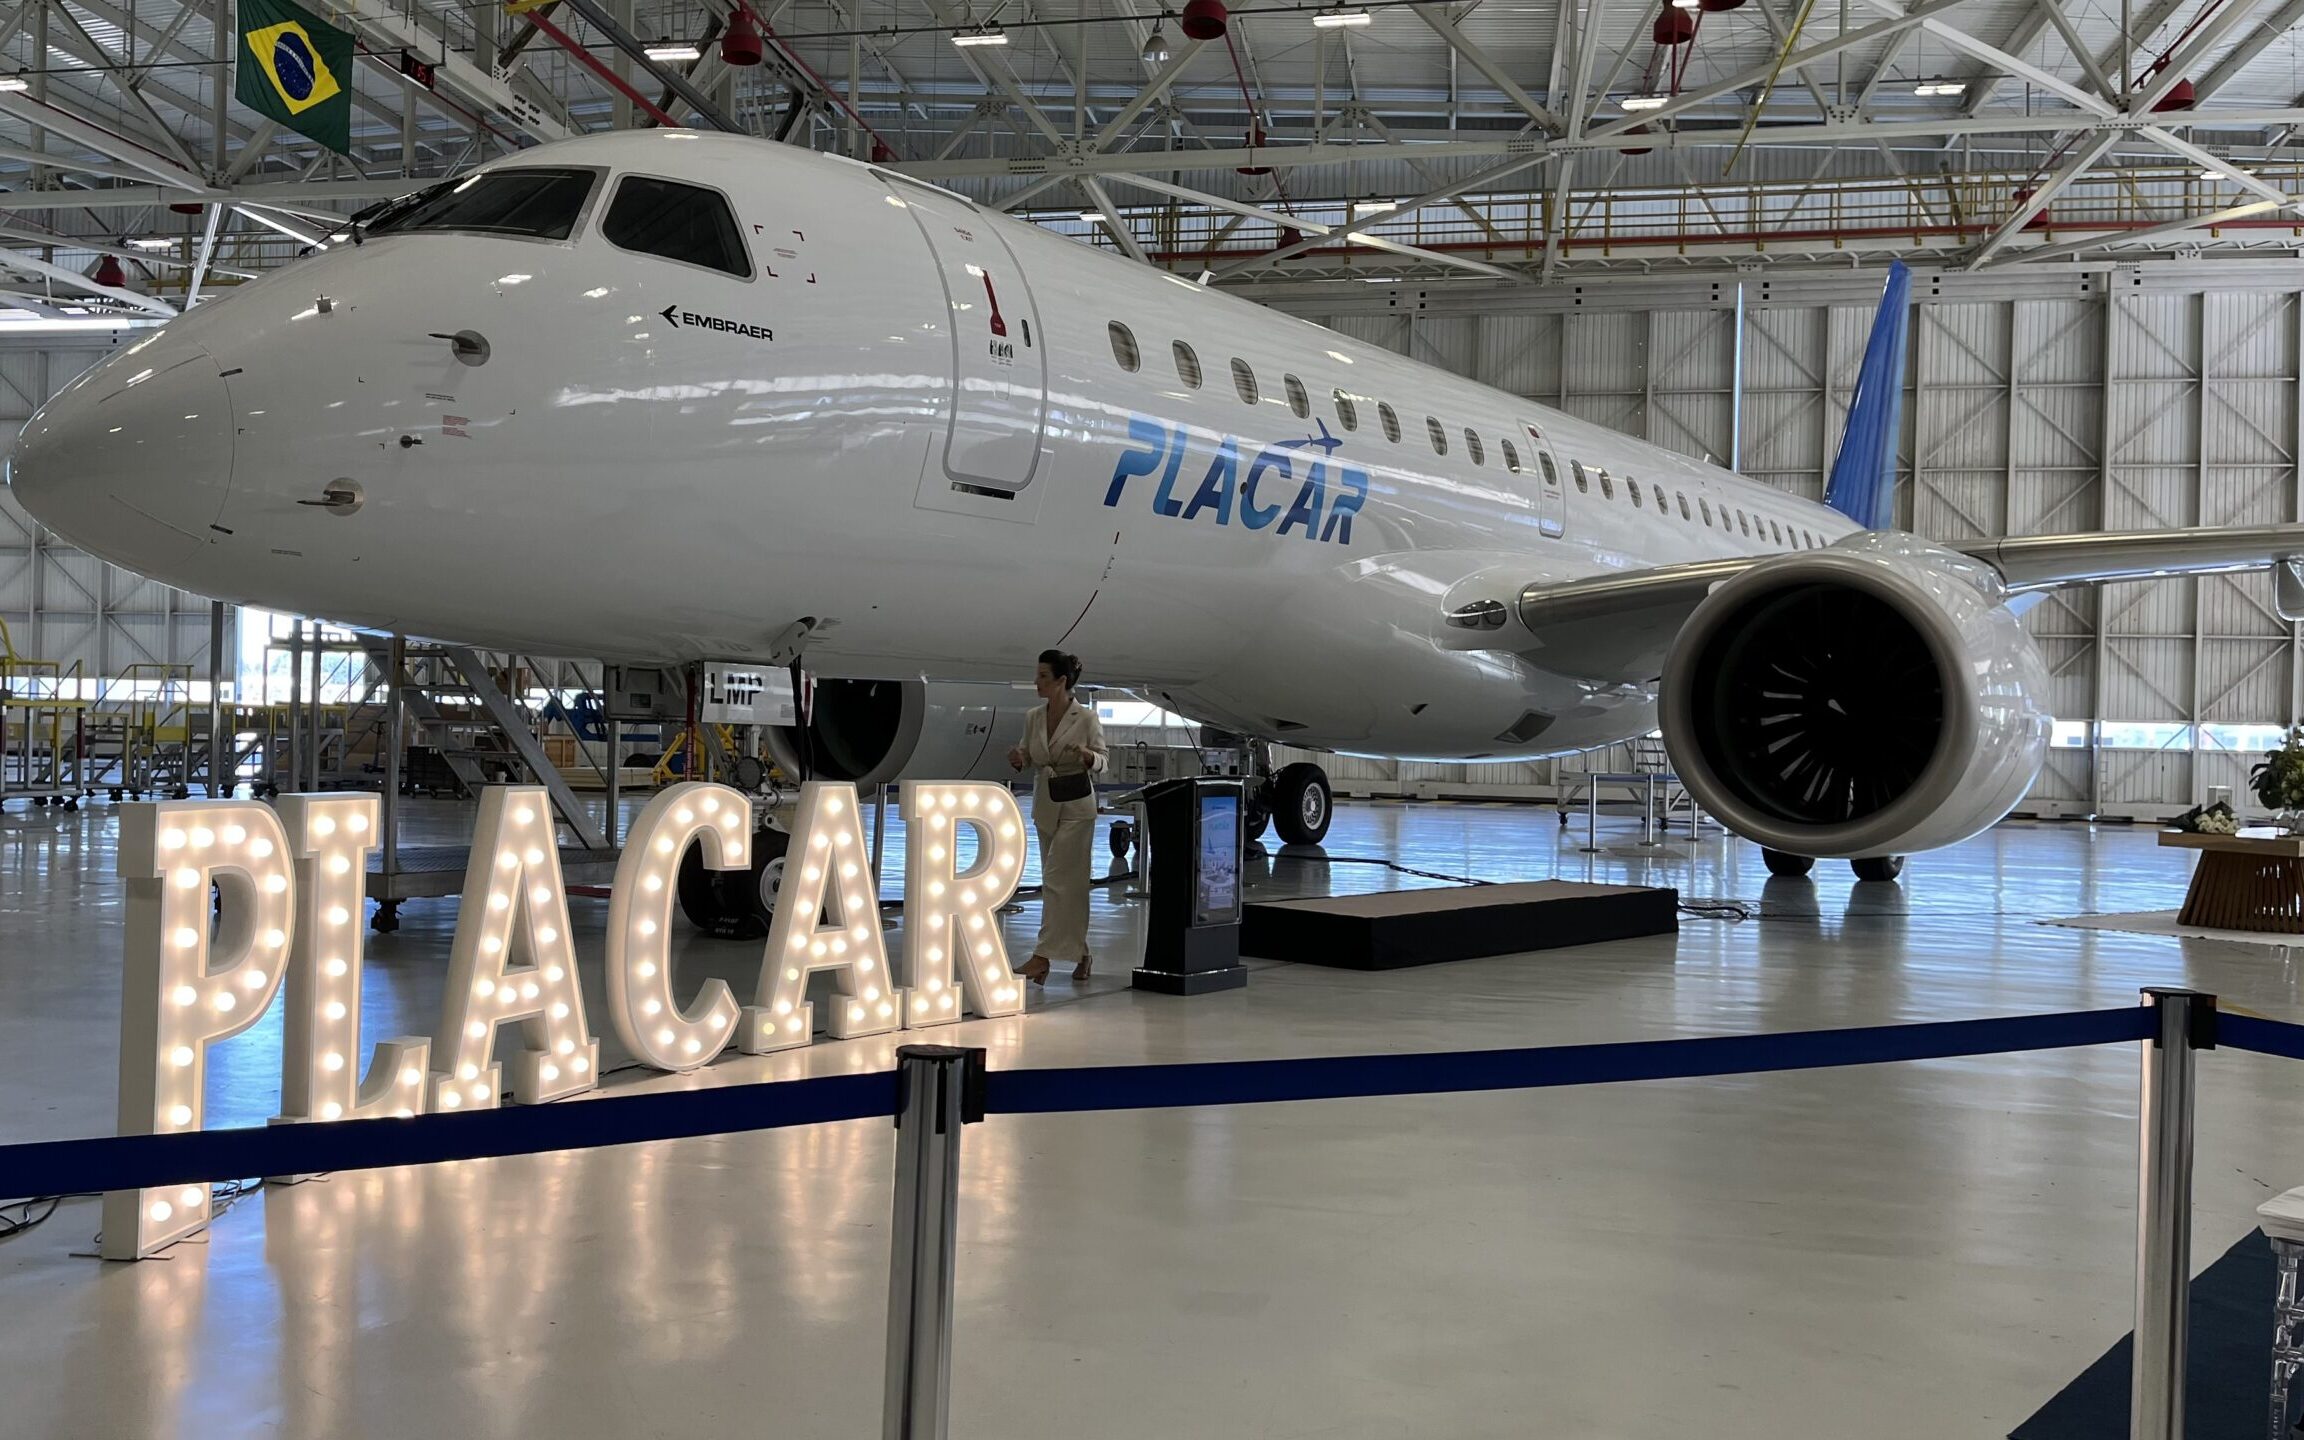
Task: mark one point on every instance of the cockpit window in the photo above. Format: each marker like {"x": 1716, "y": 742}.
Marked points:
{"x": 536, "y": 202}
{"x": 680, "y": 222}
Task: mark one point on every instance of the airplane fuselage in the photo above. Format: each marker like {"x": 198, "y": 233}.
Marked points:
{"x": 914, "y": 423}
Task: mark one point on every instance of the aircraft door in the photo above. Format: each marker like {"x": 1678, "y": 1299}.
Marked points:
{"x": 999, "y": 356}
{"x": 1551, "y": 495}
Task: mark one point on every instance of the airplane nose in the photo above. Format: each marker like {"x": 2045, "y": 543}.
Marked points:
{"x": 133, "y": 462}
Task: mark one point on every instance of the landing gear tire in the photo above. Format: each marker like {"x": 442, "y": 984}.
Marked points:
{"x": 1878, "y": 867}
{"x": 1302, "y": 804}
{"x": 1121, "y": 838}
{"x": 1781, "y": 863}
{"x": 386, "y": 920}
{"x": 734, "y": 904}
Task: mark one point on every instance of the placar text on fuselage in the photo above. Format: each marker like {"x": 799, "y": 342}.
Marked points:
{"x": 1326, "y": 492}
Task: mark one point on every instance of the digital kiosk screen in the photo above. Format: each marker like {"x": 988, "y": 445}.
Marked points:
{"x": 1218, "y": 901}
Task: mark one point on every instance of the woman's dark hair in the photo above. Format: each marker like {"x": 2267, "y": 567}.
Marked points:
{"x": 1064, "y": 667}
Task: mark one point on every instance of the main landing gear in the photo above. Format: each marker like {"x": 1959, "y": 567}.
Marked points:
{"x": 735, "y": 904}
{"x": 1871, "y": 867}
{"x": 1297, "y": 802}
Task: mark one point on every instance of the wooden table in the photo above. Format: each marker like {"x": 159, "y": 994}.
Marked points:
{"x": 2250, "y": 881}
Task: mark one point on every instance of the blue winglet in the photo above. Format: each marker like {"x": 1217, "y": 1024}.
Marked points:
{"x": 1863, "y": 483}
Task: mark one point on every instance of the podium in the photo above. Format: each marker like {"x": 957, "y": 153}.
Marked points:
{"x": 1192, "y": 930}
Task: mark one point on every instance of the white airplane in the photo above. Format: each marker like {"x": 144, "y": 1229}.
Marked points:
{"x": 664, "y": 396}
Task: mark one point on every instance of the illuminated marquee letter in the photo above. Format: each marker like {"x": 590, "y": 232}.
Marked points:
{"x": 646, "y": 1013}
{"x": 512, "y": 962}
{"x": 329, "y": 837}
{"x": 826, "y": 862}
{"x": 946, "y": 911}
{"x": 184, "y": 988}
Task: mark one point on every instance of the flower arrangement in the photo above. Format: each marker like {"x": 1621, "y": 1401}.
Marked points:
{"x": 2278, "y": 779}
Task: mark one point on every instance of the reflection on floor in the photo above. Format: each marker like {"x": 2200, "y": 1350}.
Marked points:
{"x": 1918, "y": 1250}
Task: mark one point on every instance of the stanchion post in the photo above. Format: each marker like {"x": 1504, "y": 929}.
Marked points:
{"x": 940, "y": 1088}
{"x": 2164, "y": 1210}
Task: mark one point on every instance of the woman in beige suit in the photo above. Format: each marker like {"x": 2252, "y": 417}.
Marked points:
{"x": 1064, "y": 742}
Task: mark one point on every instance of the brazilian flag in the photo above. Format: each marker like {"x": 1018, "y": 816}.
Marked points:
{"x": 297, "y": 69}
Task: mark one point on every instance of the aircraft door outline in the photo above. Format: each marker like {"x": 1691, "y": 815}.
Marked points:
{"x": 1551, "y": 495}
{"x": 999, "y": 414}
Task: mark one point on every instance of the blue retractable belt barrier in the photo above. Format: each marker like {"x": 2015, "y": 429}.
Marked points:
{"x": 1241, "y": 1082}
{"x": 131, "y": 1162}
{"x": 2265, "y": 1037}
{"x": 134, "y": 1162}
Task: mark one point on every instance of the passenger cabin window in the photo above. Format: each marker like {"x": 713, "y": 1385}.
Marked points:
{"x": 1346, "y": 414}
{"x": 1582, "y": 485}
{"x": 1472, "y": 447}
{"x": 1511, "y": 457}
{"x": 1187, "y": 365}
{"x": 1745, "y": 521}
{"x": 534, "y": 202}
{"x": 1551, "y": 475}
{"x": 1682, "y": 497}
{"x": 1124, "y": 347}
{"x": 1658, "y": 491}
{"x": 1439, "y": 434}
{"x": 1776, "y": 532}
{"x": 1632, "y": 491}
{"x": 1244, "y": 381}
{"x": 1704, "y": 508}
{"x": 1391, "y": 421}
{"x": 675, "y": 221}
{"x": 1607, "y": 487}
{"x": 1298, "y": 400}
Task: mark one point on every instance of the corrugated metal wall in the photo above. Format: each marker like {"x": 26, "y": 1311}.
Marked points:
{"x": 61, "y": 603}
{"x": 2074, "y": 401}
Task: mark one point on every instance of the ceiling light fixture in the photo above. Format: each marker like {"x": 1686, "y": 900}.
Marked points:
{"x": 1340, "y": 17}
{"x": 1091, "y": 217}
{"x": 150, "y": 242}
{"x": 13, "y": 84}
{"x": 1156, "y": 47}
{"x": 1941, "y": 87}
{"x": 986, "y": 35}
{"x": 1644, "y": 102}
{"x": 670, "y": 51}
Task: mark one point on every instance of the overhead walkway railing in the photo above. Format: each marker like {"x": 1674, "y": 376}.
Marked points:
{"x": 936, "y": 1091}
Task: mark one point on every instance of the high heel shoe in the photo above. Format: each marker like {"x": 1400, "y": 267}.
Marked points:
{"x": 1080, "y": 971}
{"x": 1036, "y": 970}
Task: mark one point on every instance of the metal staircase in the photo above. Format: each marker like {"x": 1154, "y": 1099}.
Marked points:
{"x": 495, "y": 735}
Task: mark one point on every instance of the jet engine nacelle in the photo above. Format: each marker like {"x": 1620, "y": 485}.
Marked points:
{"x": 1876, "y": 697}
{"x": 875, "y": 732}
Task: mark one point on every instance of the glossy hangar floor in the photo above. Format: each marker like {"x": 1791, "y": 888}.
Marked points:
{"x": 1920, "y": 1250}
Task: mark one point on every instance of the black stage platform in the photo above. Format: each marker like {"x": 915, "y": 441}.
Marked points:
{"x": 1399, "y": 928}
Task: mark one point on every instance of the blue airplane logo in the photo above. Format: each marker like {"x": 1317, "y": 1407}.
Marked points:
{"x": 1324, "y": 442}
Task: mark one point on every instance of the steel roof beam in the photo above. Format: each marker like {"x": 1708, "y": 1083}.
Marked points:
{"x": 1246, "y": 211}
{"x": 1444, "y": 26}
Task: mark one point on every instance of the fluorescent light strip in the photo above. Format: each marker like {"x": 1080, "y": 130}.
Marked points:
{"x": 13, "y": 84}
{"x": 672, "y": 52}
{"x": 1644, "y": 102}
{"x": 1337, "y": 19}
{"x": 994, "y": 36}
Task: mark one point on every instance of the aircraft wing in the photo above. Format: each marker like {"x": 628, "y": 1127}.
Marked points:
{"x": 1617, "y": 628}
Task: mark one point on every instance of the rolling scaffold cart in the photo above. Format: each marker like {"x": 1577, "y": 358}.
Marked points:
{"x": 43, "y": 734}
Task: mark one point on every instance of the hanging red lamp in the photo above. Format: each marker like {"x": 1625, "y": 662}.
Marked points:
{"x": 1674, "y": 26}
{"x": 1255, "y": 142}
{"x": 108, "y": 273}
{"x": 2180, "y": 96}
{"x": 1204, "y": 19}
{"x": 740, "y": 44}
{"x": 1714, "y": 7}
